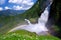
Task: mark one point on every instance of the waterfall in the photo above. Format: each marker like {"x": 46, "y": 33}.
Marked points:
{"x": 44, "y": 16}
{"x": 39, "y": 27}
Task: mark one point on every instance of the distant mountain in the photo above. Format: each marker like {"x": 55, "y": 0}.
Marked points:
{"x": 11, "y": 12}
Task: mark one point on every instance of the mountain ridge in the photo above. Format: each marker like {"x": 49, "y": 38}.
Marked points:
{"x": 11, "y": 12}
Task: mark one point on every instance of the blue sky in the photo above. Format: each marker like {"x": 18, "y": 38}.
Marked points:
{"x": 16, "y": 4}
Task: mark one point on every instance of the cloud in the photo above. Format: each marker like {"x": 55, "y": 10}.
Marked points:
{"x": 20, "y": 8}
{"x": 2, "y": 2}
{"x": 15, "y": 1}
{"x": 28, "y": 2}
{"x": 7, "y": 8}
{"x": 1, "y": 8}
{"x": 25, "y": 4}
{"x": 17, "y": 7}
{"x": 16, "y": 4}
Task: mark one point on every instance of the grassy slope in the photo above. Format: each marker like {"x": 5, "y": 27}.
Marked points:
{"x": 25, "y": 35}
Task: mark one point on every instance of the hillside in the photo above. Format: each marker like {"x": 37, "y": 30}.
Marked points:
{"x": 25, "y": 35}
{"x": 9, "y": 22}
{"x": 9, "y": 12}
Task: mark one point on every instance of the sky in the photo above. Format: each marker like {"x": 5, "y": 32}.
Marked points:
{"x": 16, "y": 4}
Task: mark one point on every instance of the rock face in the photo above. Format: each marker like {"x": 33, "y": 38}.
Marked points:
{"x": 55, "y": 10}
{"x": 55, "y": 16}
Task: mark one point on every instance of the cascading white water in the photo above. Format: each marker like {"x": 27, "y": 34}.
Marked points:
{"x": 44, "y": 16}
{"x": 39, "y": 27}
{"x": 28, "y": 21}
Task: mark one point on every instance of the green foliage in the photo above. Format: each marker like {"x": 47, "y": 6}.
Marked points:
{"x": 25, "y": 35}
{"x": 9, "y": 22}
{"x": 32, "y": 12}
